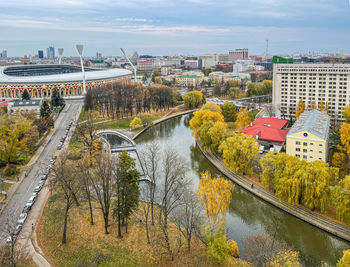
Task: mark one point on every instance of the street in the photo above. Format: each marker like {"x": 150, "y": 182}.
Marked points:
{"x": 24, "y": 191}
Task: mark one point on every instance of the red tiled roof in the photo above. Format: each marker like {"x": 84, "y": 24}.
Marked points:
{"x": 268, "y": 129}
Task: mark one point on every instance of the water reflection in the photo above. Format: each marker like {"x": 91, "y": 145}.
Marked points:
{"x": 248, "y": 214}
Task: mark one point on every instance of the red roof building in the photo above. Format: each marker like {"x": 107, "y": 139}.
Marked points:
{"x": 268, "y": 129}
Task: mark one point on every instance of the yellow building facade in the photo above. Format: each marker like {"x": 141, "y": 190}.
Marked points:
{"x": 308, "y": 138}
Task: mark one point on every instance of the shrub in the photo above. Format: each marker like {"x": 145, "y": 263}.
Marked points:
{"x": 136, "y": 123}
{"x": 234, "y": 248}
{"x": 10, "y": 170}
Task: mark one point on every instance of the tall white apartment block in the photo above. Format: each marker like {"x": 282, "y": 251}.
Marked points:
{"x": 327, "y": 83}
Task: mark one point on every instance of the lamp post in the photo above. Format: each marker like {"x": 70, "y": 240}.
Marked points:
{"x": 132, "y": 65}
{"x": 60, "y": 53}
{"x": 80, "y": 49}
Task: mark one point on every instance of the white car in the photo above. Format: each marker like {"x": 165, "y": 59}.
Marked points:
{"x": 22, "y": 218}
{"x": 30, "y": 201}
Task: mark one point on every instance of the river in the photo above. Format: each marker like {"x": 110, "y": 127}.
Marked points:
{"x": 248, "y": 215}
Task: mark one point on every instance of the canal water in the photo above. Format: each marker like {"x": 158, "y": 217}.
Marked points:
{"x": 248, "y": 215}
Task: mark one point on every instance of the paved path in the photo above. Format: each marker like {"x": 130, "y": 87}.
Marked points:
{"x": 303, "y": 214}
{"x": 25, "y": 188}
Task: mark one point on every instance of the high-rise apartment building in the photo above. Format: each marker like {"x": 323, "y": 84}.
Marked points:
{"x": 40, "y": 54}
{"x": 236, "y": 54}
{"x": 313, "y": 83}
{"x": 51, "y": 52}
{"x": 3, "y": 54}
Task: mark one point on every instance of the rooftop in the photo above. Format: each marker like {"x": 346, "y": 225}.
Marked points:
{"x": 268, "y": 129}
{"x": 314, "y": 121}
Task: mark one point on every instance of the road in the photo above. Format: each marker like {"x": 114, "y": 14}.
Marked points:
{"x": 24, "y": 191}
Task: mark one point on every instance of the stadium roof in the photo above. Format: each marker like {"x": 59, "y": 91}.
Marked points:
{"x": 76, "y": 76}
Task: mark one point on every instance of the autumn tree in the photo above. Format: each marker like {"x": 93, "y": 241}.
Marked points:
{"x": 215, "y": 196}
{"x": 193, "y": 99}
{"x": 345, "y": 137}
{"x": 342, "y": 200}
{"x": 136, "y": 123}
{"x": 300, "y": 108}
{"x": 202, "y": 116}
{"x": 229, "y": 110}
{"x": 345, "y": 260}
{"x": 239, "y": 152}
{"x": 64, "y": 180}
{"x": 339, "y": 160}
{"x": 45, "y": 110}
{"x": 346, "y": 114}
{"x": 212, "y": 107}
{"x": 313, "y": 105}
{"x": 158, "y": 80}
{"x": 243, "y": 119}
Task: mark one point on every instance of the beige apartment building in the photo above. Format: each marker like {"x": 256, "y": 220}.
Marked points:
{"x": 327, "y": 83}
{"x": 308, "y": 137}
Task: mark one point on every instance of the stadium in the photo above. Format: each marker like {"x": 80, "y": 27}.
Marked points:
{"x": 41, "y": 80}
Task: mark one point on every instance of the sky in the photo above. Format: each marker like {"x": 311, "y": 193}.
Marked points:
{"x": 170, "y": 27}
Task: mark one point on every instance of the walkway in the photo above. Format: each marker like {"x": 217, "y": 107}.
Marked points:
{"x": 305, "y": 215}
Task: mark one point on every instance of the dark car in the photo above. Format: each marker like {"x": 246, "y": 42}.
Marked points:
{"x": 26, "y": 209}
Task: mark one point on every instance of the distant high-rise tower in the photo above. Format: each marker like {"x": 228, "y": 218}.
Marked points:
{"x": 41, "y": 54}
{"x": 51, "y": 52}
{"x": 98, "y": 55}
{"x": 267, "y": 48}
{"x": 3, "y": 54}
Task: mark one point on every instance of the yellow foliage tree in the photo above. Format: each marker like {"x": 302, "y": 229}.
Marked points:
{"x": 346, "y": 114}
{"x": 342, "y": 200}
{"x": 202, "y": 116}
{"x": 300, "y": 108}
{"x": 313, "y": 105}
{"x": 234, "y": 248}
{"x": 239, "y": 152}
{"x": 345, "y": 260}
{"x": 345, "y": 137}
{"x": 321, "y": 105}
{"x": 287, "y": 258}
{"x": 158, "y": 80}
{"x": 243, "y": 119}
{"x": 136, "y": 123}
{"x": 193, "y": 99}
{"x": 215, "y": 195}
{"x": 212, "y": 106}
{"x": 339, "y": 160}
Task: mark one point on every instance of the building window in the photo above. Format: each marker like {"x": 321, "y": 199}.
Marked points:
{"x": 298, "y": 149}
{"x": 311, "y": 150}
{"x": 297, "y": 142}
{"x": 305, "y": 134}
{"x": 304, "y": 144}
{"x": 311, "y": 144}
{"x": 304, "y": 157}
{"x": 321, "y": 145}
{"x": 305, "y": 150}
{"x": 319, "y": 151}
{"x": 297, "y": 155}
{"x": 320, "y": 158}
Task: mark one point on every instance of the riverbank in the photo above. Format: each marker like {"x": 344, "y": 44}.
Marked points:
{"x": 298, "y": 212}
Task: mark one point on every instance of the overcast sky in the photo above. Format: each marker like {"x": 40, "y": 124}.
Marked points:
{"x": 167, "y": 27}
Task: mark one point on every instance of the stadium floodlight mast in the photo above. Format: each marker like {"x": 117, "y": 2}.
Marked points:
{"x": 80, "y": 49}
{"x": 60, "y": 53}
{"x": 132, "y": 65}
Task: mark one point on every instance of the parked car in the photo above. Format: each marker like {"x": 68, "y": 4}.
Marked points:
{"x": 59, "y": 147}
{"x": 35, "y": 194}
{"x": 30, "y": 201}
{"x": 18, "y": 229}
{"x": 22, "y": 218}
{"x": 38, "y": 188}
{"x": 43, "y": 177}
{"x": 26, "y": 209}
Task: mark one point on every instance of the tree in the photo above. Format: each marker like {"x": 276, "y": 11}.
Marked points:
{"x": 65, "y": 182}
{"x": 101, "y": 181}
{"x": 234, "y": 92}
{"x": 127, "y": 189}
{"x": 229, "y": 110}
{"x": 212, "y": 107}
{"x": 234, "y": 248}
{"x": 215, "y": 196}
{"x": 313, "y": 105}
{"x": 346, "y": 114}
{"x": 56, "y": 99}
{"x": 45, "y": 111}
{"x": 158, "y": 80}
{"x": 342, "y": 200}
{"x": 204, "y": 116}
{"x": 172, "y": 188}
{"x": 239, "y": 152}
{"x": 345, "y": 137}
{"x": 339, "y": 160}
{"x": 25, "y": 95}
{"x": 243, "y": 119}
{"x": 151, "y": 163}
{"x": 345, "y": 260}
{"x": 136, "y": 123}
{"x": 189, "y": 217}
{"x": 193, "y": 99}
{"x": 300, "y": 108}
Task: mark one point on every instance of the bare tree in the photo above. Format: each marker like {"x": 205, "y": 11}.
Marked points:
{"x": 174, "y": 184}
{"x": 151, "y": 159}
{"x": 189, "y": 217}
{"x": 87, "y": 133}
{"x": 65, "y": 181}
{"x": 101, "y": 180}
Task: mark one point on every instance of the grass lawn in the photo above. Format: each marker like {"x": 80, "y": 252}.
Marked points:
{"x": 5, "y": 186}
{"x": 88, "y": 245}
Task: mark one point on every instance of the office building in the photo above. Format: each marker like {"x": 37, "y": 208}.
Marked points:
{"x": 51, "y": 52}
{"x": 41, "y": 54}
{"x": 313, "y": 83}
{"x": 308, "y": 137}
{"x": 236, "y": 54}
{"x": 191, "y": 63}
{"x": 144, "y": 65}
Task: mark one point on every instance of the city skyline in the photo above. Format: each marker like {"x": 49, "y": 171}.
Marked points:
{"x": 185, "y": 27}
